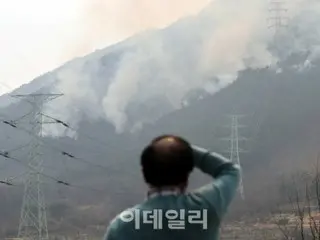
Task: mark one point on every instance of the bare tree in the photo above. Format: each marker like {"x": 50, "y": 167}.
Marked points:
{"x": 303, "y": 194}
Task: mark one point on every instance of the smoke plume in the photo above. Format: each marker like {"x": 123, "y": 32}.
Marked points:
{"x": 150, "y": 74}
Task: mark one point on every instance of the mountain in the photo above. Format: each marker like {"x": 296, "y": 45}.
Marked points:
{"x": 119, "y": 98}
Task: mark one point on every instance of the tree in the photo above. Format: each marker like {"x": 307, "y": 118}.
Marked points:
{"x": 302, "y": 221}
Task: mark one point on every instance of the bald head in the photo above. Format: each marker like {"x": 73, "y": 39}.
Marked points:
{"x": 167, "y": 161}
{"x": 168, "y": 145}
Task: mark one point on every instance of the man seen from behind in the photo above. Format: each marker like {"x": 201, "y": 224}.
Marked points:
{"x": 170, "y": 212}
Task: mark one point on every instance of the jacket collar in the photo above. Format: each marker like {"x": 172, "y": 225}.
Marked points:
{"x": 155, "y": 192}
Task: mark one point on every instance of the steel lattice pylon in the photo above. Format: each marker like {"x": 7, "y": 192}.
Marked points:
{"x": 234, "y": 153}
{"x": 235, "y": 149}
{"x": 277, "y": 15}
{"x": 33, "y": 219}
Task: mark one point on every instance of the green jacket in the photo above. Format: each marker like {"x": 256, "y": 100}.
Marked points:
{"x": 196, "y": 215}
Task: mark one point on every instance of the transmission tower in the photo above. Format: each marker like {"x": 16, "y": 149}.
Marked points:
{"x": 33, "y": 219}
{"x": 277, "y": 12}
{"x": 235, "y": 150}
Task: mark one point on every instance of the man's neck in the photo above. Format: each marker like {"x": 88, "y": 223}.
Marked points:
{"x": 165, "y": 191}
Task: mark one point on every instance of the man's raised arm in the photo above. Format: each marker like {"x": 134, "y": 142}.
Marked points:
{"x": 221, "y": 191}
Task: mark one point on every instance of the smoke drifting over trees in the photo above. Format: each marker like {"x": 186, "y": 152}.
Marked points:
{"x": 158, "y": 68}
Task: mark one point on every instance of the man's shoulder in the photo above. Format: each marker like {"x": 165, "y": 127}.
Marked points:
{"x": 125, "y": 217}
{"x": 119, "y": 225}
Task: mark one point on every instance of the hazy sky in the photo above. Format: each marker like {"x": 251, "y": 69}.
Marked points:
{"x": 39, "y": 35}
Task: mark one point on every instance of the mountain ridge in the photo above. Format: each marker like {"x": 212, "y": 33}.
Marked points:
{"x": 280, "y": 104}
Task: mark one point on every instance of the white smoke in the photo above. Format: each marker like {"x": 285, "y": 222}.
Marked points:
{"x": 81, "y": 100}
{"x": 157, "y": 69}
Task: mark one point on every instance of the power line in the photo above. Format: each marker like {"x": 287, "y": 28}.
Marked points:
{"x": 12, "y": 123}
{"x": 7, "y": 153}
{"x": 45, "y": 144}
{"x": 86, "y": 135}
{"x": 7, "y": 156}
{"x": 22, "y": 117}
{"x": 95, "y": 140}
{"x": 6, "y": 183}
{"x": 54, "y": 179}
{"x": 9, "y": 181}
{"x": 67, "y": 125}
{"x": 18, "y": 148}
